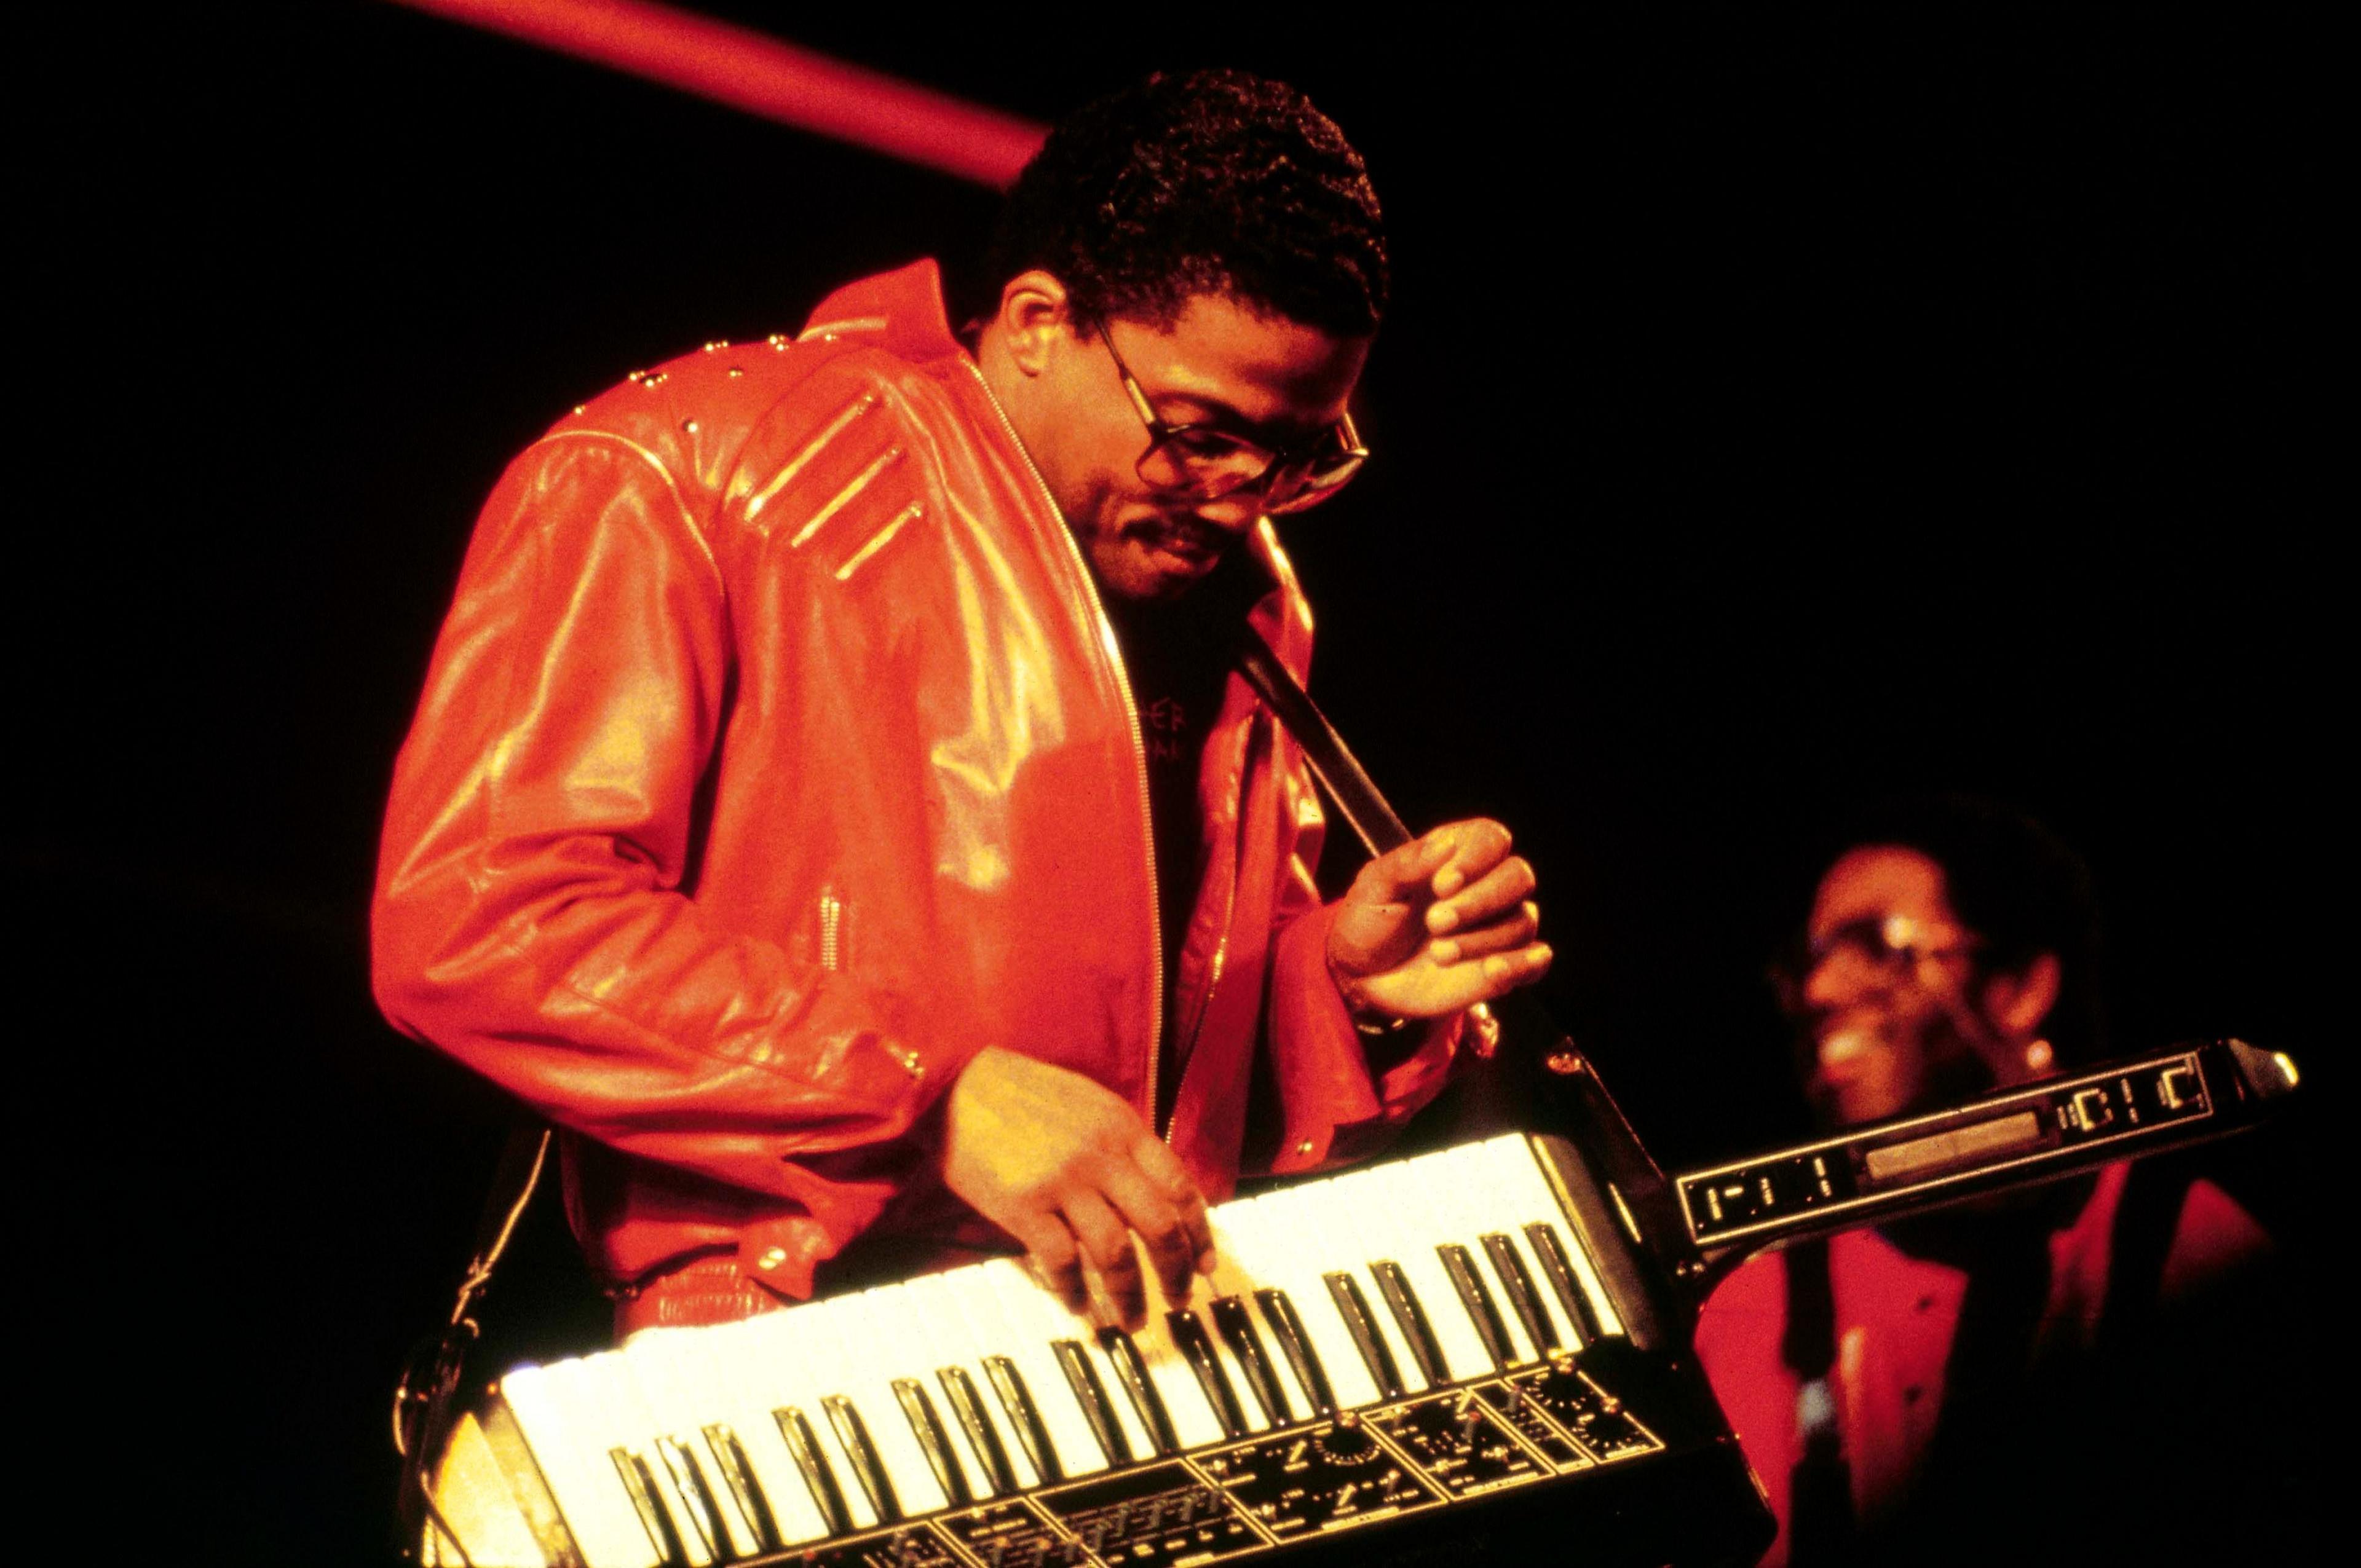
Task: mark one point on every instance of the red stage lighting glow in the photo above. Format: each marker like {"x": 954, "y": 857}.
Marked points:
{"x": 764, "y": 76}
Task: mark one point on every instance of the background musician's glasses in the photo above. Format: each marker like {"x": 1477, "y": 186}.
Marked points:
{"x": 1206, "y": 463}
{"x": 1889, "y": 945}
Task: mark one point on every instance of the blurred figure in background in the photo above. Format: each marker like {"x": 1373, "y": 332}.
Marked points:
{"x": 1961, "y": 1385}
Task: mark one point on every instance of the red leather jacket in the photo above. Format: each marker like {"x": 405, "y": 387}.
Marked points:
{"x": 776, "y": 757}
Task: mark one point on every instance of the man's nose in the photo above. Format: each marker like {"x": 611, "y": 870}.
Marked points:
{"x": 1833, "y": 981}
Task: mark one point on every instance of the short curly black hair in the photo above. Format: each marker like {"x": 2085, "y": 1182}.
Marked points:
{"x": 2014, "y": 882}
{"x": 1212, "y": 182}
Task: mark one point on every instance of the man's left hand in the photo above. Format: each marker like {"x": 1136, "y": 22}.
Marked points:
{"x": 1432, "y": 928}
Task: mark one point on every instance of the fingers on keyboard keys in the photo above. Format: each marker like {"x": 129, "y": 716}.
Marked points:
{"x": 1195, "y": 1420}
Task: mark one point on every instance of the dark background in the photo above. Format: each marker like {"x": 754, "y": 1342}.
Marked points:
{"x": 1770, "y": 413}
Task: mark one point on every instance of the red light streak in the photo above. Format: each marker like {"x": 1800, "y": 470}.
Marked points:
{"x": 763, "y": 76}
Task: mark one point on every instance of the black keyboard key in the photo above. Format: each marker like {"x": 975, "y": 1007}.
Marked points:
{"x": 1018, "y": 1400}
{"x": 696, "y": 1494}
{"x": 1198, "y": 1346}
{"x": 867, "y": 1468}
{"x": 983, "y": 1437}
{"x": 661, "y": 1533}
{"x": 1353, "y": 1308}
{"x": 1092, "y": 1395}
{"x": 1132, "y": 1368}
{"x": 1461, "y": 1265}
{"x": 1237, "y": 1332}
{"x": 1509, "y": 1264}
{"x": 1412, "y": 1317}
{"x": 1295, "y": 1343}
{"x": 1560, "y": 1269}
{"x": 737, "y": 1474}
{"x": 818, "y": 1479}
{"x": 918, "y": 1409}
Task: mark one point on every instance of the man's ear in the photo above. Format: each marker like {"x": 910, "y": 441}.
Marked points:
{"x": 1033, "y": 315}
{"x": 2017, "y": 1003}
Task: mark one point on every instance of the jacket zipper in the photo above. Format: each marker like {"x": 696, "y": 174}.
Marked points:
{"x": 1138, "y": 755}
{"x": 1229, "y": 915}
{"x": 1222, "y": 943}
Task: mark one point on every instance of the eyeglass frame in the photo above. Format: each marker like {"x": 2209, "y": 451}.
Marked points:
{"x": 1161, "y": 431}
{"x": 1892, "y": 946}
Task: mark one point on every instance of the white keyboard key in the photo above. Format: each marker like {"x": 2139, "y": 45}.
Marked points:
{"x": 670, "y": 1382}
{"x": 1284, "y": 1250}
{"x": 1353, "y": 1242}
{"x": 1193, "y": 1421}
{"x": 739, "y": 1376}
{"x": 1021, "y": 1320}
{"x": 947, "y": 1303}
{"x": 1526, "y": 1192}
{"x": 629, "y": 1415}
{"x": 1458, "y": 1200}
{"x": 1396, "y": 1218}
{"x": 797, "y": 1378}
{"x": 1494, "y": 1183}
{"x": 885, "y": 1348}
{"x": 566, "y": 1427}
{"x": 1230, "y": 1280}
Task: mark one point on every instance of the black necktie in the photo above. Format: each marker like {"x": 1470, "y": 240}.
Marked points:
{"x": 1821, "y": 1529}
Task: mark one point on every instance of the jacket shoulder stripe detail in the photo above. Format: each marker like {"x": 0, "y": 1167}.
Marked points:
{"x": 812, "y": 448}
{"x": 843, "y": 498}
{"x": 877, "y": 542}
{"x": 672, "y": 485}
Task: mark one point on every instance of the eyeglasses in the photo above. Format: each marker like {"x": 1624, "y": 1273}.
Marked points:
{"x": 1205, "y": 463}
{"x": 1890, "y": 946}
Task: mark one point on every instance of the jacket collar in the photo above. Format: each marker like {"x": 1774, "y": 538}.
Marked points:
{"x": 906, "y": 305}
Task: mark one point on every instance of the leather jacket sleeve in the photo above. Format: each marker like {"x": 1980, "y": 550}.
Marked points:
{"x": 532, "y": 915}
{"x": 1336, "y": 1105}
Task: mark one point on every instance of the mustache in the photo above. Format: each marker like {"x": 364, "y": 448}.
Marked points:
{"x": 1186, "y": 531}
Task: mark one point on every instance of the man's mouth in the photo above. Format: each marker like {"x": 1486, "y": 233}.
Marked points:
{"x": 1843, "y": 1052}
{"x": 1189, "y": 544}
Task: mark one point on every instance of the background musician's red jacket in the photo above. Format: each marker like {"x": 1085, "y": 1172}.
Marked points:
{"x": 1898, "y": 1318}
{"x": 775, "y": 757}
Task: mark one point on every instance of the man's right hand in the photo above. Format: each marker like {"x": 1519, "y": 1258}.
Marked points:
{"x": 1071, "y": 1172}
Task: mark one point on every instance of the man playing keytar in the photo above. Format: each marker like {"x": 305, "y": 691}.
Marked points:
{"x": 831, "y": 806}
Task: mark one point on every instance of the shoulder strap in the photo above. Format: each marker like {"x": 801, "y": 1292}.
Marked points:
{"x": 423, "y": 1399}
{"x": 1348, "y": 784}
